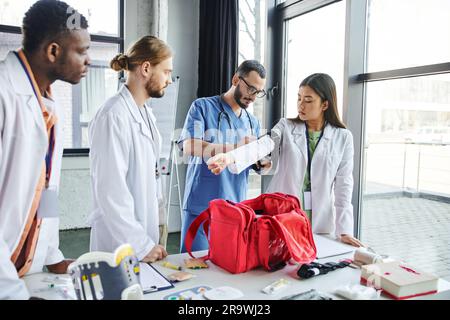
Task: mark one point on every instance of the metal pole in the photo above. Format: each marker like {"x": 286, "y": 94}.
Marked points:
{"x": 170, "y": 181}
{"x": 180, "y": 200}
{"x": 404, "y": 166}
{"x": 418, "y": 168}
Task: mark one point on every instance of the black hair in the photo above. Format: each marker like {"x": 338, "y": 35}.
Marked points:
{"x": 251, "y": 65}
{"x": 48, "y": 20}
{"x": 324, "y": 86}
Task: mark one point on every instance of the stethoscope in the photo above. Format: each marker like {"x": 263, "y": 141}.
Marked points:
{"x": 223, "y": 113}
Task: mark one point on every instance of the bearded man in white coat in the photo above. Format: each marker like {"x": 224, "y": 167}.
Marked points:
{"x": 125, "y": 145}
{"x": 31, "y": 141}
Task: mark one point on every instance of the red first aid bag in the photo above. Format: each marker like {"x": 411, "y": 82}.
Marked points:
{"x": 266, "y": 231}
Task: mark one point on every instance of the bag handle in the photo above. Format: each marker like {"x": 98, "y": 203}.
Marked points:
{"x": 192, "y": 232}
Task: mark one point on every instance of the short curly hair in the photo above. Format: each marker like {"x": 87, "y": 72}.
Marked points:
{"x": 48, "y": 20}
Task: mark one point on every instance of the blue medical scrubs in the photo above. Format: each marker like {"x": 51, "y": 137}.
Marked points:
{"x": 202, "y": 186}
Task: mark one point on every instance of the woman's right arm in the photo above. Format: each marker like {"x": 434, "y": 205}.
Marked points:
{"x": 270, "y": 165}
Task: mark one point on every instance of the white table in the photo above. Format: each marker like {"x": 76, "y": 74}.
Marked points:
{"x": 249, "y": 283}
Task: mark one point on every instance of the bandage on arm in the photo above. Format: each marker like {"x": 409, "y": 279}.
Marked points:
{"x": 249, "y": 154}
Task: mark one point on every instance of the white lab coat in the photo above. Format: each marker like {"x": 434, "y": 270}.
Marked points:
{"x": 23, "y": 145}
{"x": 123, "y": 157}
{"x": 331, "y": 173}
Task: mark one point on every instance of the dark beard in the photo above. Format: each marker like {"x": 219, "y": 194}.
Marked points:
{"x": 238, "y": 96}
{"x": 151, "y": 91}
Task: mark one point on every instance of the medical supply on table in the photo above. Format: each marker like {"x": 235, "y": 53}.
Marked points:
{"x": 62, "y": 290}
{"x": 107, "y": 276}
{"x": 169, "y": 265}
{"x": 180, "y": 276}
{"x": 357, "y": 292}
{"x": 276, "y": 286}
{"x": 195, "y": 293}
{"x": 57, "y": 280}
{"x": 399, "y": 280}
{"x": 310, "y": 270}
{"x": 365, "y": 256}
{"x": 223, "y": 293}
{"x": 53, "y": 285}
{"x": 312, "y": 294}
{"x": 195, "y": 264}
{"x": 187, "y": 295}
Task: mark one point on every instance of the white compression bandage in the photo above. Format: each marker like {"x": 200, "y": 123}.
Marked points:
{"x": 247, "y": 155}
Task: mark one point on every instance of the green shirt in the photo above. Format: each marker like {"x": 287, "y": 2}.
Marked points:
{"x": 314, "y": 137}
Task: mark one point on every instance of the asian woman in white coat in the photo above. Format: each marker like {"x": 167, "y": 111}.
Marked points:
{"x": 125, "y": 146}
{"x": 313, "y": 159}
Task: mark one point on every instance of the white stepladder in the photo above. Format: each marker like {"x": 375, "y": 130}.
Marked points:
{"x": 172, "y": 171}
{"x": 165, "y": 111}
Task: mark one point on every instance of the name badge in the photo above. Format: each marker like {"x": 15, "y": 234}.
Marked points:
{"x": 307, "y": 200}
{"x": 48, "y": 206}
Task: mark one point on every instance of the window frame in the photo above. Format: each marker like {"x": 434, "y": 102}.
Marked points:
{"x": 117, "y": 40}
{"x": 356, "y": 76}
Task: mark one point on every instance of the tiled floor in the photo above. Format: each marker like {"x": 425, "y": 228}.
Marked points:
{"x": 415, "y": 230}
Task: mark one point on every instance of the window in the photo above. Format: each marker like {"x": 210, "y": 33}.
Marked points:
{"x": 315, "y": 44}
{"x": 407, "y": 136}
{"x": 406, "y": 172}
{"x": 12, "y": 12}
{"x": 252, "y": 26}
{"x": 407, "y": 33}
{"x": 9, "y": 42}
{"x": 81, "y": 101}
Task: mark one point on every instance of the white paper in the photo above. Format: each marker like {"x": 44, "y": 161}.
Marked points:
{"x": 329, "y": 248}
{"x": 249, "y": 154}
{"x": 152, "y": 280}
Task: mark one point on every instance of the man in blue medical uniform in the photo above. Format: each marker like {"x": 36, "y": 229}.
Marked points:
{"x": 215, "y": 125}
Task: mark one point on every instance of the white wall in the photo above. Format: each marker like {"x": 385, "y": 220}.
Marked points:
{"x": 183, "y": 31}
{"x": 182, "y": 35}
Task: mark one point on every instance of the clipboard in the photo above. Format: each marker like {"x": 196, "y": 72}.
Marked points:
{"x": 152, "y": 280}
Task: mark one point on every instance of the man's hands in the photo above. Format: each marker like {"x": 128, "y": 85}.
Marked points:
{"x": 60, "y": 267}
{"x": 157, "y": 253}
{"x": 221, "y": 161}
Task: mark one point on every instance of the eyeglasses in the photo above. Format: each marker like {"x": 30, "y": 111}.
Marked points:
{"x": 251, "y": 90}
